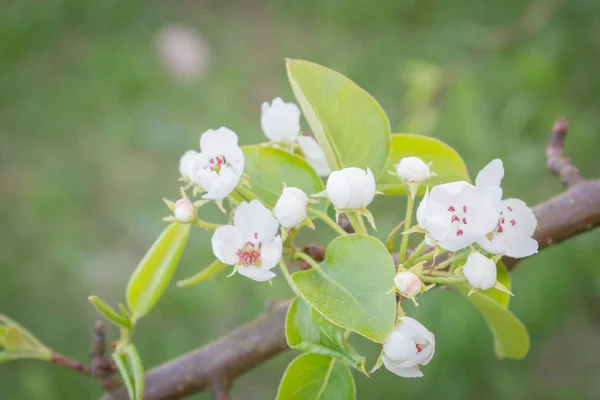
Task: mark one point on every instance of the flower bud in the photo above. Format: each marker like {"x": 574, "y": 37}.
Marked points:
{"x": 351, "y": 188}
{"x": 409, "y": 346}
{"x": 480, "y": 271}
{"x": 280, "y": 121}
{"x": 413, "y": 169}
{"x": 184, "y": 210}
{"x": 185, "y": 163}
{"x": 290, "y": 209}
{"x": 408, "y": 283}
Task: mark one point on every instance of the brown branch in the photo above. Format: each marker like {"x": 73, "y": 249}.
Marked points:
{"x": 558, "y": 164}
{"x": 101, "y": 366}
{"x": 216, "y": 365}
{"x": 67, "y": 362}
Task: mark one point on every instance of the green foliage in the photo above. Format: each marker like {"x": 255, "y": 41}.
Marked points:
{"x": 307, "y": 330}
{"x": 154, "y": 272}
{"x": 208, "y": 273}
{"x": 131, "y": 370}
{"x": 269, "y": 168}
{"x": 347, "y": 122}
{"x": 110, "y": 314}
{"x": 511, "y": 339}
{"x": 316, "y": 377}
{"x": 446, "y": 162}
{"x": 17, "y": 342}
{"x": 351, "y": 287}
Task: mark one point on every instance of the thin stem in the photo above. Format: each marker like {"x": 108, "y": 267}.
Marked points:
{"x": 424, "y": 257}
{"x": 441, "y": 280}
{"x": 361, "y": 222}
{"x": 409, "y": 210}
{"x": 328, "y": 221}
{"x": 354, "y": 220}
{"x": 206, "y": 225}
{"x": 416, "y": 253}
{"x": 64, "y": 361}
{"x": 288, "y": 276}
{"x": 389, "y": 243}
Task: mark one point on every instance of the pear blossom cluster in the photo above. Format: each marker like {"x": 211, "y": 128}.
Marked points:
{"x": 458, "y": 215}
{"x": 471, "y": 221}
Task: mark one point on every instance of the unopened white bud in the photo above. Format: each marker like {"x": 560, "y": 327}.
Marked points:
{"x": 407, "y": 283}
{"x": 184, "y": 210}
{"x": 351, "y": 188}
{"x": 480, "y": 271}
{"x": 290, "y": 209}
{"x": 413, "y": 169}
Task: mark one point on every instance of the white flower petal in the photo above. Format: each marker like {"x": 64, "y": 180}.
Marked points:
{"x": 413, "y": 329}
{"x": 226, "y": 241}
{"x": 215, "y": 142}
{"x": 524, "y": 216}
{"x": 413, "y": 372}
{"x": 280, "y": 121}
{"x": 338, "y": 190}
{"x": 413, "y": 169}
{"x": 254, "y": 218}
{"x": 185, "y": 163}
{"x": 517, "y": 245}
{"x": 399, "y": 347}
{"x": 314, "y": 155}
{"x": 491, "y": 175}
{"x": 271, "y": 253}
{"x": 223, "y": 185}
{"x": 290, "y": 209}
{"x": 256, "y": 273}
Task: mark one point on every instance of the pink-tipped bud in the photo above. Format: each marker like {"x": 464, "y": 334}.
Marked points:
{"x": 408, "y": 284}
{"x": 184, "y": 210}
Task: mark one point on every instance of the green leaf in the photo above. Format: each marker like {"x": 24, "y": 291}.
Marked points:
{"x": 316, "y": 377}
{"x": 19, "y": 342}
{"x": 121, "y": 363}
{"x": 307, "y": 330}
{"x": 446, "y": 162}
{"x": 347, "y": 122}
{"x": 109, "y": 313}
{"x": 134, "y": 363}
{"x": 351, "y": 287}
{"x": 4, "y": 357}
{"x": 503, "y": 277}
{"x": 208, "y": 273}
{"x": 269, "y": 168}
{"x": 511, "y": 339}
{"x": 154, "y": 272}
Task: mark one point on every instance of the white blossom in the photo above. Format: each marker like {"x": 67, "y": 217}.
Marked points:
{"x": 290, "y": 209}
{"x": 409, "y": 345}
{"x": 512, "y": 235}
{"x": 185, "y": 163}
{"x": 314, "y": 155}
{"x": 516, "y": 222}
{"x": 456, "y": 215}
{"x": 219, "y": 165}
{"x": 280, "y": 121}
{"x": 184, "y": 210}
{"x": 413, "y": 170}
{"x": 480, "y": 271}
{"x": 351, "y": 188}
{"x": 250, "y": 243}
{"x": 407, "y": 283}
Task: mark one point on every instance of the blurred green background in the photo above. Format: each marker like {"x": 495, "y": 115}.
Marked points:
{"x": 95, "y": 111}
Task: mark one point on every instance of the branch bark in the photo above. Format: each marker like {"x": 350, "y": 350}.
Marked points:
{"x": 216, "y": 365}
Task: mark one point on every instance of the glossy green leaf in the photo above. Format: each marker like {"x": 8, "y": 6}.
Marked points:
{"x": 307, "y": 330}
{"x": 269, "y": 168}
{"x": 446, "y": 162}
{"x": 511, "y": 339}
{"x": 208, "y": 273}
{"x": 351, "y": 289}
{"x": 316, "y": 377}
{"x": 347, "y": 122}
{"x": 134, "y": 362}
{"x": 503, "y": 277}
{"x": 126, "y": 375}
{"x": 154, "y": 272}
{"x": 108, "y": 312}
